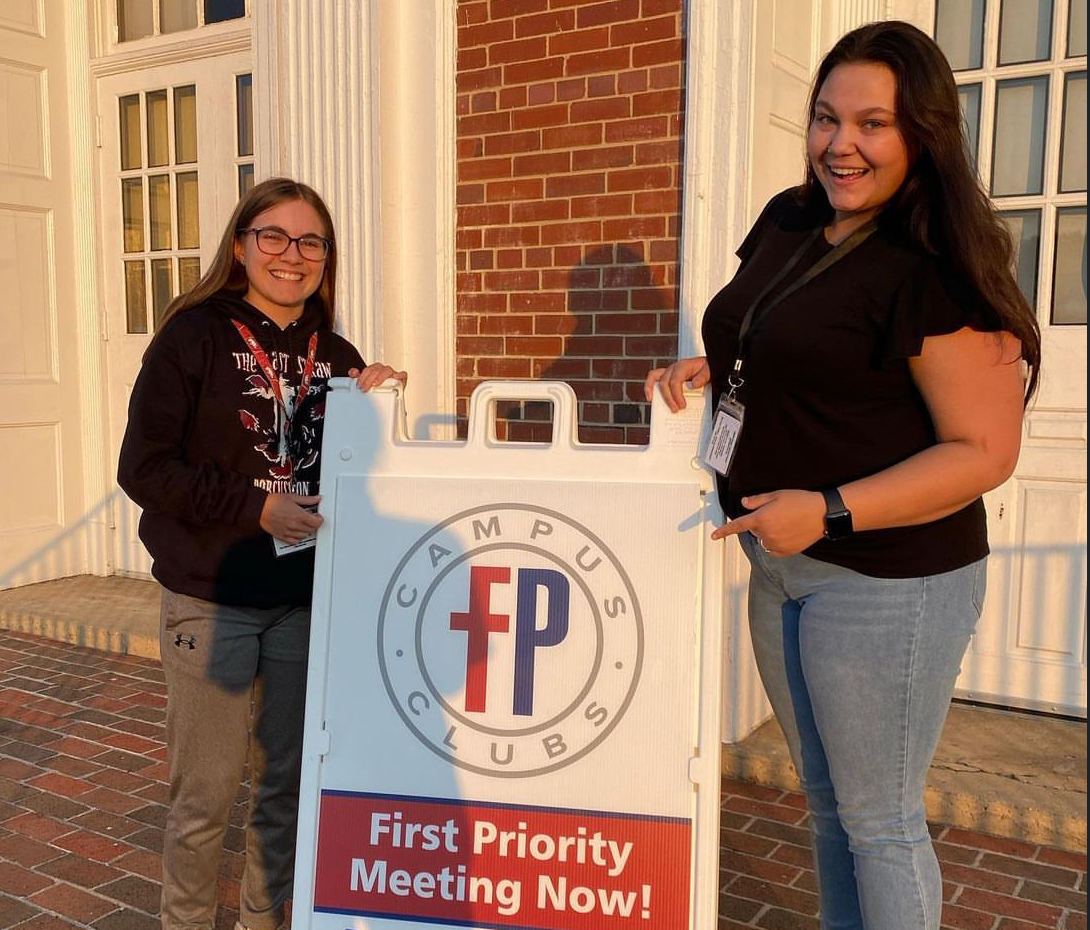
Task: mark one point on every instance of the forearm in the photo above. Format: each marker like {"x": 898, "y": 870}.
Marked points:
{"x": 932, "y": 484}
{"x": 201, "y": 493}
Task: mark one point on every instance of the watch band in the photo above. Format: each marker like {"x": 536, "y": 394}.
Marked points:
{"x": 838, "y": 518}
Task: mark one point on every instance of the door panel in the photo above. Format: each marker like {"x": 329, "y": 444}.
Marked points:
{"x": 170, "y": 169}
{"x": 41, "y": 530}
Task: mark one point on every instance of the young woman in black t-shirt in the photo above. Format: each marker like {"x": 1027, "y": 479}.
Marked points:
{"x": 875, "y": 353}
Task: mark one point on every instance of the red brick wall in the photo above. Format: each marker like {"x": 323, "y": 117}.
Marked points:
{"x": 569, "y": 177}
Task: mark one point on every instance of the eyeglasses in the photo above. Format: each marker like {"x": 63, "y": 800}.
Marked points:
{"x": 273, "y": 241}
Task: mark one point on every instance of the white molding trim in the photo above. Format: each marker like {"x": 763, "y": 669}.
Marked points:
{"x": 98, "y": 481}
{"x": 191, "y": 49}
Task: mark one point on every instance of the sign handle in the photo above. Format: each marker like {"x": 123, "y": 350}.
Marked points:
{"x": 482, "y": 420}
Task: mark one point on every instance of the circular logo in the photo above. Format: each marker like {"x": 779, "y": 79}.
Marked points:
{"x": 510, "y": 640}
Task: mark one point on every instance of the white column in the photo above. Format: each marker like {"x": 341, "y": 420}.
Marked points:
{"x": 357, "y": 99}
{"x": 845, "y": 15}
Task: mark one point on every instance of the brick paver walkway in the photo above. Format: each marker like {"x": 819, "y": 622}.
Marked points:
{"x": 83, "y": 795}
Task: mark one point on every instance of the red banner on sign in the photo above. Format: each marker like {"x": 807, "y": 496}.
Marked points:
{"x": 505, "y": 866}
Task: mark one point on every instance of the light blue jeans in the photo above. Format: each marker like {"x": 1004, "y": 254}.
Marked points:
{"x": 860, "y": 672}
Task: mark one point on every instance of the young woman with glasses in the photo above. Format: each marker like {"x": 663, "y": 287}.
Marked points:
{"x": 222, "y": 453}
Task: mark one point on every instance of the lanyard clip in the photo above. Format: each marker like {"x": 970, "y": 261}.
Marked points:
{"x": 735, "y": 379}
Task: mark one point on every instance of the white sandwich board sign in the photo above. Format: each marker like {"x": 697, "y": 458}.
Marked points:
{"x": 513, "y": 702}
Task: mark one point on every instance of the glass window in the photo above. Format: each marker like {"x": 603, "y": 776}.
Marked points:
{"x": 1073, "y": 146}
{"x": 1033, "y": 142}
{"x": 159, "y": 211}
{"x": 158, "y": 129}
{"x": 1018, "y": 160}
{"x": 185, "y": 124}
{"x": 136, "y": 298}
{"x": 161, "y": 208}
{"x": 1025, "y": 227}
{"x": 132, "y": 213}
{"x": 959, "y": 31}
{"x": 1076, "y": 28}
{"x": 244, "y": 111}
{"x": 1025, "y": 31}
{"x": 189, "y": 273}
{"x": 189, "y": 229}
{"x": 129, "y": 122}
{"x": 177, "y": 15}
{"x": 134, "y": 20}
{"x": 138, "y": 19}
{"x": 969, "y": 98}
{"x": 245, "y": 178}
{"x": 162, "y": 287}
{"x": 1069, "y": 277}
{"x": 218, "y": 11}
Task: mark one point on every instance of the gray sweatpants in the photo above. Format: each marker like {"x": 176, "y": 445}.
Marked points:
{"x": 231, "y": 672}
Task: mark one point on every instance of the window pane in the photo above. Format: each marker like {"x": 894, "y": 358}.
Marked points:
{"x": 158, "y": 129}
{"x": 216, "y": 11}
{"x": 1076, "y": 28}
{"x": 959, "y": 31}
{"x": 129, "y": 120}
{"x": 244, "y": 113}
{"x": 133, "y": 21}
{"x": 189, "y": 229}
{"x": 136, "y": 299}
{"x": 132, "y": 214}
{"x": 1025, "y": 227}
{"x": 969, "y": 99}
{"x": 185, "y": 124}
{"x": 1025, "y": 31}
{"x": 159, "y": 211}
{"x": 1073, "y": 148}
{"x": 1019, "y": 155}
{"x": 245, "y": 178}
{"x": 1069, "y": 284}
{"x": 189, "y": 273}
{"x": 176, "y": 15}
{"x": 162, "y": 287}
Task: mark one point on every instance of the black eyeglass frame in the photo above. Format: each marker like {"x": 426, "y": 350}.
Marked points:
{"x": 258, "y": 230}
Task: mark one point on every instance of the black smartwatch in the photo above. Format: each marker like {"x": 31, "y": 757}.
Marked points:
{"x": 838, "y": 518}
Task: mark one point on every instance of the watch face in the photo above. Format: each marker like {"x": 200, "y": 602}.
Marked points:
{"x": 838, "y": 525}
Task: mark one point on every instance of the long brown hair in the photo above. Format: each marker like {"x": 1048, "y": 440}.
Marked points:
{"x": 227, "y": 275}
{"x": 940, "y": 207}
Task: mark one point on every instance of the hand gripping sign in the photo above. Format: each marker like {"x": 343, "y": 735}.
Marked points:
{"x": 513, "y": 699}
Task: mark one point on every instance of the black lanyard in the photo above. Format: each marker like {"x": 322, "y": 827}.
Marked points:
{"x": 759, "y": 308}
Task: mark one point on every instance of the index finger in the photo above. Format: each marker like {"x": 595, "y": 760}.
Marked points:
{"x": 733, "y": 528}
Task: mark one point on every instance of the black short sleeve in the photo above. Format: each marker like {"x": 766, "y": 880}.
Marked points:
{"x": 927, "y": 303}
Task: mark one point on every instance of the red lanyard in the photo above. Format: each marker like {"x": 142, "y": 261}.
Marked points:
{"x": 275, "y": 386}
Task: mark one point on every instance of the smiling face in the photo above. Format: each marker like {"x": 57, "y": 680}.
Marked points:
{"x": 278, "y": 285}
{"x": 855, "y": 148}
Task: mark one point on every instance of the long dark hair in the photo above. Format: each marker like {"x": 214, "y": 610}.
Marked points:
{"x": 227, "y": 275}
{"x": 941, "y": 206}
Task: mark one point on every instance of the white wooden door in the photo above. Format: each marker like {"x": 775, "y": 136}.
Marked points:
{"x": 1021, "y": 72}
{"x": 176, "y": 151}
{"x": 40, "y": 442}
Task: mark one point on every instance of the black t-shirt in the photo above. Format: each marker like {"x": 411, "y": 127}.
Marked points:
{"x": 828, "y": 394}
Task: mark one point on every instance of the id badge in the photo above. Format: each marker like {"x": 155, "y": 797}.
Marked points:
{"x": 726, "y": 428}
{"x": 282, "y": 548}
